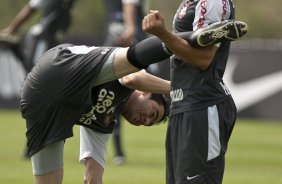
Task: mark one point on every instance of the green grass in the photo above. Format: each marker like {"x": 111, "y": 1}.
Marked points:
{"x": 254, "y": 155}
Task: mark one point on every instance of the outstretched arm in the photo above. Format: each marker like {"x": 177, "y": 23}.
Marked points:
{"x": 129, "y": 10}
{"x": 26, "y": 12}
{"x": 144, "y": 81}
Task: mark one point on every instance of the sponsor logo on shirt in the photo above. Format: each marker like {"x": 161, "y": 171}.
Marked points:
{"x": 103, "y": 106}
{"x": 176, "y": 95}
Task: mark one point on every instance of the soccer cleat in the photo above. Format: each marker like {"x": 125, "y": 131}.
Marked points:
{"x": 228, "y": 30}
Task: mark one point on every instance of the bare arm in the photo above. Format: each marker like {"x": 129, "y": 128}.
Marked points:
{"x": 144, "y": 81}
{"x": 20, "y": 19}
{"x": 129, "y": 17}
{"x": 153, "y": 23}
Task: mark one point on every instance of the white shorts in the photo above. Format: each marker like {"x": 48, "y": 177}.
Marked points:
{"x": 93, "y": 145}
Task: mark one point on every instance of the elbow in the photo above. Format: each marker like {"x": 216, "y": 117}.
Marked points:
{"x": 130, "y": 81}
{"x": 204, "y": 64}
{"x": 206, "y": 59}
{"x": 201, "y": 63}
{"x": 200, "y": 58}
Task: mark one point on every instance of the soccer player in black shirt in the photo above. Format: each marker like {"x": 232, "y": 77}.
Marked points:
{"x": 83, "y": 85}
{"x": 78, "y": 85}
{"x": 202, "y": 113}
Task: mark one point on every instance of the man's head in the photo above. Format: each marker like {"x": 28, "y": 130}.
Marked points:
{"x": 146, "y": 109}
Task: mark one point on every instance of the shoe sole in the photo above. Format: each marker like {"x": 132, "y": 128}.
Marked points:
{"x": 223, "y": 31}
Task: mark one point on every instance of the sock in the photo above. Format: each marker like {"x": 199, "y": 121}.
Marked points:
{"x": 151, "y": 50}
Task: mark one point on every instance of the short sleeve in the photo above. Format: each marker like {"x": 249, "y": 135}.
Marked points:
{"x": 210, "y": 11}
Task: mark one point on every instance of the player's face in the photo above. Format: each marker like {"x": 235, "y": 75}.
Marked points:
{"x": 144, "y": 111}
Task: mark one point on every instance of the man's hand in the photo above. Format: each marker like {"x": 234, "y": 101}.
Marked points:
{"x": 153, "y": 23}
{"x": 7, "y": 39}
{"x": 6, "y": 32}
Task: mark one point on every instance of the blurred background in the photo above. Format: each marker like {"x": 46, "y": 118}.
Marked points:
{"x": 253, "y": 75}
{"x": 262, "y": 17}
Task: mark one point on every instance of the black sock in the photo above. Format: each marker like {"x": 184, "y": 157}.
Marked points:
{"x": 151, "y": 50}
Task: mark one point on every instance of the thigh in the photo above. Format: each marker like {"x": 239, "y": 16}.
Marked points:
{"x": 121, "y": 64}
{"x": 106, "y": 74}
{"x": 221, "y": 122}
{"x": 49, "y": 159}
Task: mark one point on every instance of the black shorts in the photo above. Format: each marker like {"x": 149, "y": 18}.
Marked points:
{"x": 196, "y": 144}
{"x": 57, "y": 91}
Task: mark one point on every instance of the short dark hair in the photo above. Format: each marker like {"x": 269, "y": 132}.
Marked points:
{"x": 162, "y": 100}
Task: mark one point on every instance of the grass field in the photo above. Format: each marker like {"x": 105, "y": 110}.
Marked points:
{"x": 254, "y": 155}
